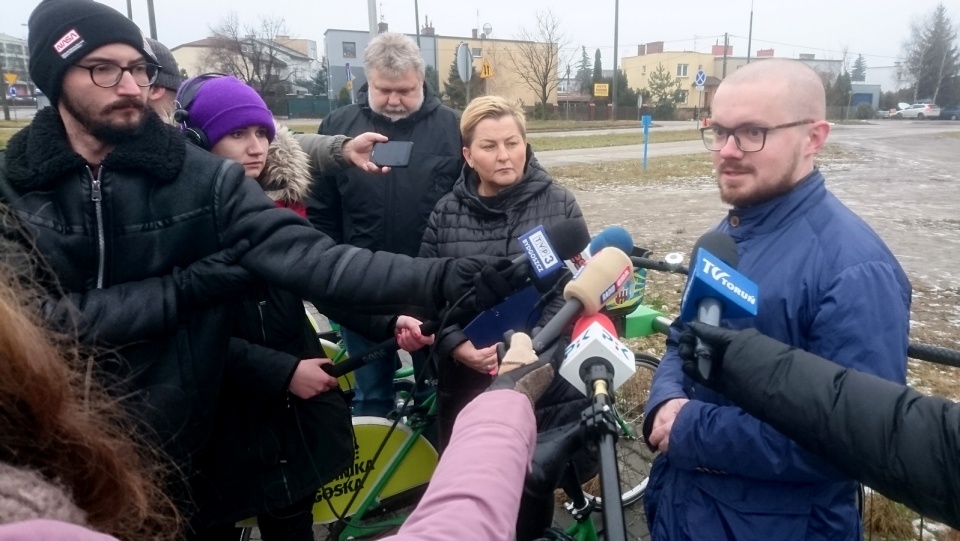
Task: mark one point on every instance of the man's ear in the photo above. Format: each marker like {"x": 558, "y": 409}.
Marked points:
{"x": 156, "y": 93}
{"x": 818, "y": 137}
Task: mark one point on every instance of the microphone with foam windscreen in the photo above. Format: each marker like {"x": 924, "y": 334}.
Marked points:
{"x": 715, "y": 289}
{"x": 611, "y": 237}
{"x": 596, "y": 282}
{"x": 596, "y": 339}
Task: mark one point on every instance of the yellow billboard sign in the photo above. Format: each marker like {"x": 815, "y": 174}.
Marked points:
{"x": 601, "y": 90}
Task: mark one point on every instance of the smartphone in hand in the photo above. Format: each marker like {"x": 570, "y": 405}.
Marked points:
{"x": 392, "y": 153}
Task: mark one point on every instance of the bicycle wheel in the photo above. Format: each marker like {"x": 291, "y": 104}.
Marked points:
{"x": 634, "y": 458}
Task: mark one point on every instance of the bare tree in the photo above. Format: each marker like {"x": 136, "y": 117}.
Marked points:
{"x": 537, "y": 56}
{"x": 250, "y": 52}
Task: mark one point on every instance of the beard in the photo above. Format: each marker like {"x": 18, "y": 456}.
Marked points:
{"x": 101, "y": 127}
{"x": 398, "y": 113}
{"x": 761, "y": 191}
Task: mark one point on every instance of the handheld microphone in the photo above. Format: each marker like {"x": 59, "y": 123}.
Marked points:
{"x": 594, "y": 285}
{"x": 715, "y": 288}
{"x": 612, "y": 237}
{"x": 597, "y": 343}
{"x": 545, "y": 248}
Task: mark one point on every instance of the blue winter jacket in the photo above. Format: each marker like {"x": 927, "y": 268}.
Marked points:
{"x": 828, "y": 285}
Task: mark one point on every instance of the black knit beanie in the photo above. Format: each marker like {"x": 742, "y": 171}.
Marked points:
{"x": 62, "y": 32}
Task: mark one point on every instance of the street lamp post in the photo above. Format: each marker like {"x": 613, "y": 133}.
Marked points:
{"x": 616, "y": 71}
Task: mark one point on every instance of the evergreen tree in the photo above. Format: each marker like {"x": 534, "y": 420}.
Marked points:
{"x": 597, "y": 67}
{"x": 584, "y": 72}
{"x": 859, "y": 72}
{"x": 456, "y": 91}
{"x": 932, "y": 59}
{"x": 433, "y": 78}
{"x": 665, "y": 92}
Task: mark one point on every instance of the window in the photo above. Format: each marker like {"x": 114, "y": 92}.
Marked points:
{"x": 684, "y": 94}
{"x": 475, "y": 52}
{"x": 349, "y": 49}
{"x": 682, "y": 70}
{"x": 643, "y": 70}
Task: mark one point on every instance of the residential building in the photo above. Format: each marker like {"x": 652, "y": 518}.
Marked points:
{"x": 344, "y": 52}
{"x": 291, "y": 60}
{"x": 683, "y": 65}
{"x": 14, "y": 60}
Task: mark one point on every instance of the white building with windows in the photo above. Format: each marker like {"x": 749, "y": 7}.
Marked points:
{"x": 14, "y": 63}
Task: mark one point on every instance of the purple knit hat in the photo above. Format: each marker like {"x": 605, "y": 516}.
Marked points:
{"x": 224, "y": 104}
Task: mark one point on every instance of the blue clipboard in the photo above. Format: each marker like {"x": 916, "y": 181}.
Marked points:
{"x": 517, "y": 312}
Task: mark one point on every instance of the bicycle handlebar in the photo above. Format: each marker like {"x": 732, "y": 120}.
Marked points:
{"x": 660, "y": 266}
{"x": 933, "y": 354}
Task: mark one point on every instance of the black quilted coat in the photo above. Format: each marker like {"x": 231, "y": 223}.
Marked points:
{"x": 462, "y": 224}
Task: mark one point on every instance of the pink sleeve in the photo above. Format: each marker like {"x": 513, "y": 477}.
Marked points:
{"x": 475, "y": 492}
{"x": 49, "y": 530}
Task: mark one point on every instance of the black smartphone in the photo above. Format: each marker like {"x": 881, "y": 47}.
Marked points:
{"x": 392, "y": 153}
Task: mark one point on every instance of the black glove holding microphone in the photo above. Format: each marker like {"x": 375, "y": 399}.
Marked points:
{"x": 485, "y": 280}
{"x": 717, "y": 338}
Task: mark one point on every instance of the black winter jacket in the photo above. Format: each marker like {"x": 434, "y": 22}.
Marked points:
{"x": 463, "y": 224}
{"x": 113, "y": 243}
{"x": 888, "y": 436}
{"x": 389, "y": 212}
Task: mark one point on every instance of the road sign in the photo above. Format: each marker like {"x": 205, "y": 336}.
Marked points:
{"x": 699, "y": 88}
{"x": 13, "y": 92}
{"x": 486, "y": 70}
{"x": 700, "y": 79}
{"x": 601, "y": 90}
{"x": 464, "y": 62}
{"x": 11, "y": 78}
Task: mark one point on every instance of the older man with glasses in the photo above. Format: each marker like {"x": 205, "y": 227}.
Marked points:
{"x": 827, "y": 284}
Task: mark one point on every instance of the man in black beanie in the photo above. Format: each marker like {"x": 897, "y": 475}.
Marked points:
{"x": 148, "y": 237}
{"x": 164, "y": 91}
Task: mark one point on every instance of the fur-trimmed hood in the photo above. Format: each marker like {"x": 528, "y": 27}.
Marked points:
{"x": 286, "y": 177}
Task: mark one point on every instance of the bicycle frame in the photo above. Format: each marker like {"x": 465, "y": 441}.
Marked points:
{"x": 405, "y": 461}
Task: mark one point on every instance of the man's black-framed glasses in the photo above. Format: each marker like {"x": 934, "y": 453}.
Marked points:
{"x": 748, "y": 138}
{"x": 107, "y": 75}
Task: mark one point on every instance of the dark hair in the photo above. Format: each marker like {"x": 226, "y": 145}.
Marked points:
{"x": 56, "y": 420}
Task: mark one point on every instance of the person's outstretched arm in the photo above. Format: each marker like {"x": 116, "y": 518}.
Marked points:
{"x": 475, "y": 492}
{"x": 893, "y": 439}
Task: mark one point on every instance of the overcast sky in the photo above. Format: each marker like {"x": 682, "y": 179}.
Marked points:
{"x": 874, "y": 28}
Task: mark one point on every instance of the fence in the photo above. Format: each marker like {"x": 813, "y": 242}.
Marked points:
{"x": 294, "y": 107}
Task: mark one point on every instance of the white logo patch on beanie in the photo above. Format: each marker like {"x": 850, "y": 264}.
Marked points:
{"x": 68, "y": 44}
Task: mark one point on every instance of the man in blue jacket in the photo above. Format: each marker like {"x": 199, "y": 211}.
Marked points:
{"x": 827, "y": 284}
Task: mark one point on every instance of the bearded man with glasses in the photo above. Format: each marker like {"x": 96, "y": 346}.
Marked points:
{"x": 827, "y": 284}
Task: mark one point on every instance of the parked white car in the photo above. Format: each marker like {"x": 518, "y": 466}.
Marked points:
{"x": 919, "y": 111}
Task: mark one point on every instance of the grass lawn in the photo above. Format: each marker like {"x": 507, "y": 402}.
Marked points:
{"x": 541, "y": 144}
{"x": 8, "y": 128}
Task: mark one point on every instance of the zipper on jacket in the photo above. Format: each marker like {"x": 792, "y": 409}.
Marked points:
{"x": 97, "y": 197}
{"x": 263, "y": 330}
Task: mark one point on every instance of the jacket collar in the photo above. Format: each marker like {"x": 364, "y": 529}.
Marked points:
{"x": 286, "y": 177}
{"x": 535, "y": 180}
{"x": 772, "y": 215}
{"x": 40, "y": 153}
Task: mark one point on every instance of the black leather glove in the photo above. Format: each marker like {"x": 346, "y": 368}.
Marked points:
{"x": 489, "y": 280}
{"x": 522, "y": 371}
{"x": 214, "y": 278}
{"x": 717, "y": 338}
